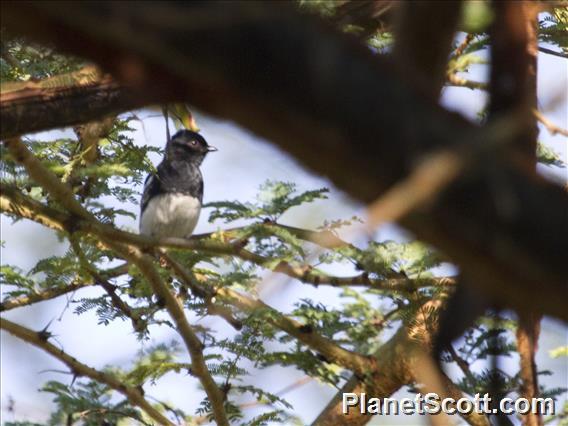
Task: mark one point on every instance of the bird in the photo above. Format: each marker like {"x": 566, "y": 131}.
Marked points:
{"x": 172, "y": 196}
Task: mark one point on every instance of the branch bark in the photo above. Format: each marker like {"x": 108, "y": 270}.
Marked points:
{"x": 233, "y": 60}
{"x": 67, "y": 99}
{"x": 400, "y": 364}
{"x": 513, "y": 84}
{"x": 421, "y": 50}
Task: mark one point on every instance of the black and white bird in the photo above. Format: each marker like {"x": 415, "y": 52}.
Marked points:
{"x": 172, "y": 196}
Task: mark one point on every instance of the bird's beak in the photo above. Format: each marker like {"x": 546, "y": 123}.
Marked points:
{"x": 211, "y": 149}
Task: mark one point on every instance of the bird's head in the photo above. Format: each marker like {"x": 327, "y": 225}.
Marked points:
{"x": 188, "y": 146}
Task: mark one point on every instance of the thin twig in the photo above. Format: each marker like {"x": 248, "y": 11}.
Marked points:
{"x": 201, "y": 291}
{"x": 38, "y": 340}
{"x": 64, "y": 195}
{"x": 329, "y": 349}
{"x": 463, "y": 45}
{"x": 289, "y": 388}
{"x": 110, "y": 289}
{"x": 462, "y": 364}
{"x": 12, "y": 201}
{"x": 551, "y": 127}
{"x": 553, "y": 52}
{"x": 455, "y": 80}
{"x": 51, "y": 293}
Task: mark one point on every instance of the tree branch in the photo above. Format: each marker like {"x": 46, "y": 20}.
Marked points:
{"x": 528, "y": 332}
{"x": 12, "y": 201}
{"x": 550, "y": 126}
{"x": 66, "y": 99}
{"x": 510, "y": 247}
{"x": 192, "y": 342}
{"x": 400, "y": 364}
{"x": 455, "y": 80}
{"x": 47, "y": 294}
{"x": 513, "y": 85}
{"x": 110, "y": 289}
{"x": 421, "y": 49}
{"x": 327, "y": 348}
{"x": 553, "y": 52}
{"x": 64, "y": 195}
{"x": 330, "y": 350}
{"x": 39, "y": 340}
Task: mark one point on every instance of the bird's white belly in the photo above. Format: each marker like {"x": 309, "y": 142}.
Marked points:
{"x": 170, "y": 215}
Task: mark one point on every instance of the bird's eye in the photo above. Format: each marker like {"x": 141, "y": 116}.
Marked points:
{"x": 193, "y": 143}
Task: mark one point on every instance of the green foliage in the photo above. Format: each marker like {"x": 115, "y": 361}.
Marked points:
{"x": 548, "y": 157}
{"x": 382, "y": 41}
{"x": 156, "y": 361}
{"x": 559, "y": 352}
{"x": 476, "y": 16}
{"x": 273, "y": 200}
{"x": 89, "y": 402}
{"x": 325, "y": 8}
{"x": 14, "y": 276}
{"x": 23, "y": 61}
{"x": 553, "y": 28}
{"x": 389, "y": 258}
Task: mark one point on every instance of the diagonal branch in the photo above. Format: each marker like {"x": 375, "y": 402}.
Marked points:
{"x": 67, "y": 99}
{"x": 553, "y": 52}
{"x": 52, "y": 293}
{"x": 193, "y": 344}
{"x": 326, "y": 347}
{"x": 38, "y": 340}
{"x": 13, "y": 201}
{"x": 100, "y": 279}
{"x": 234, "y": 61}
{"x": 47, "y": 294}
{"x": 64, "y": 195}
{"x": 552, "y": 128}
{"x": 400, "y": 365}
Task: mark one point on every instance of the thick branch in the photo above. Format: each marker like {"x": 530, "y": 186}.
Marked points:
{"x": 62, "y": 101}
{"x": 399, "y": 366}
{"x": 528, "y": 333}
{"x": 38, "y": 340}
{"x": 345, "y": 116}
{"x": 514, "y": 85}
{"x": 421, "y": 49}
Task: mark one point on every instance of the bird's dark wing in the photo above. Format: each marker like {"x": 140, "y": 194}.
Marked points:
{"x": 151, "y": 189}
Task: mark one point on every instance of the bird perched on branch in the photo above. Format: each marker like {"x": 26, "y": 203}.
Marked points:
{"x": 172, "y": 196}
